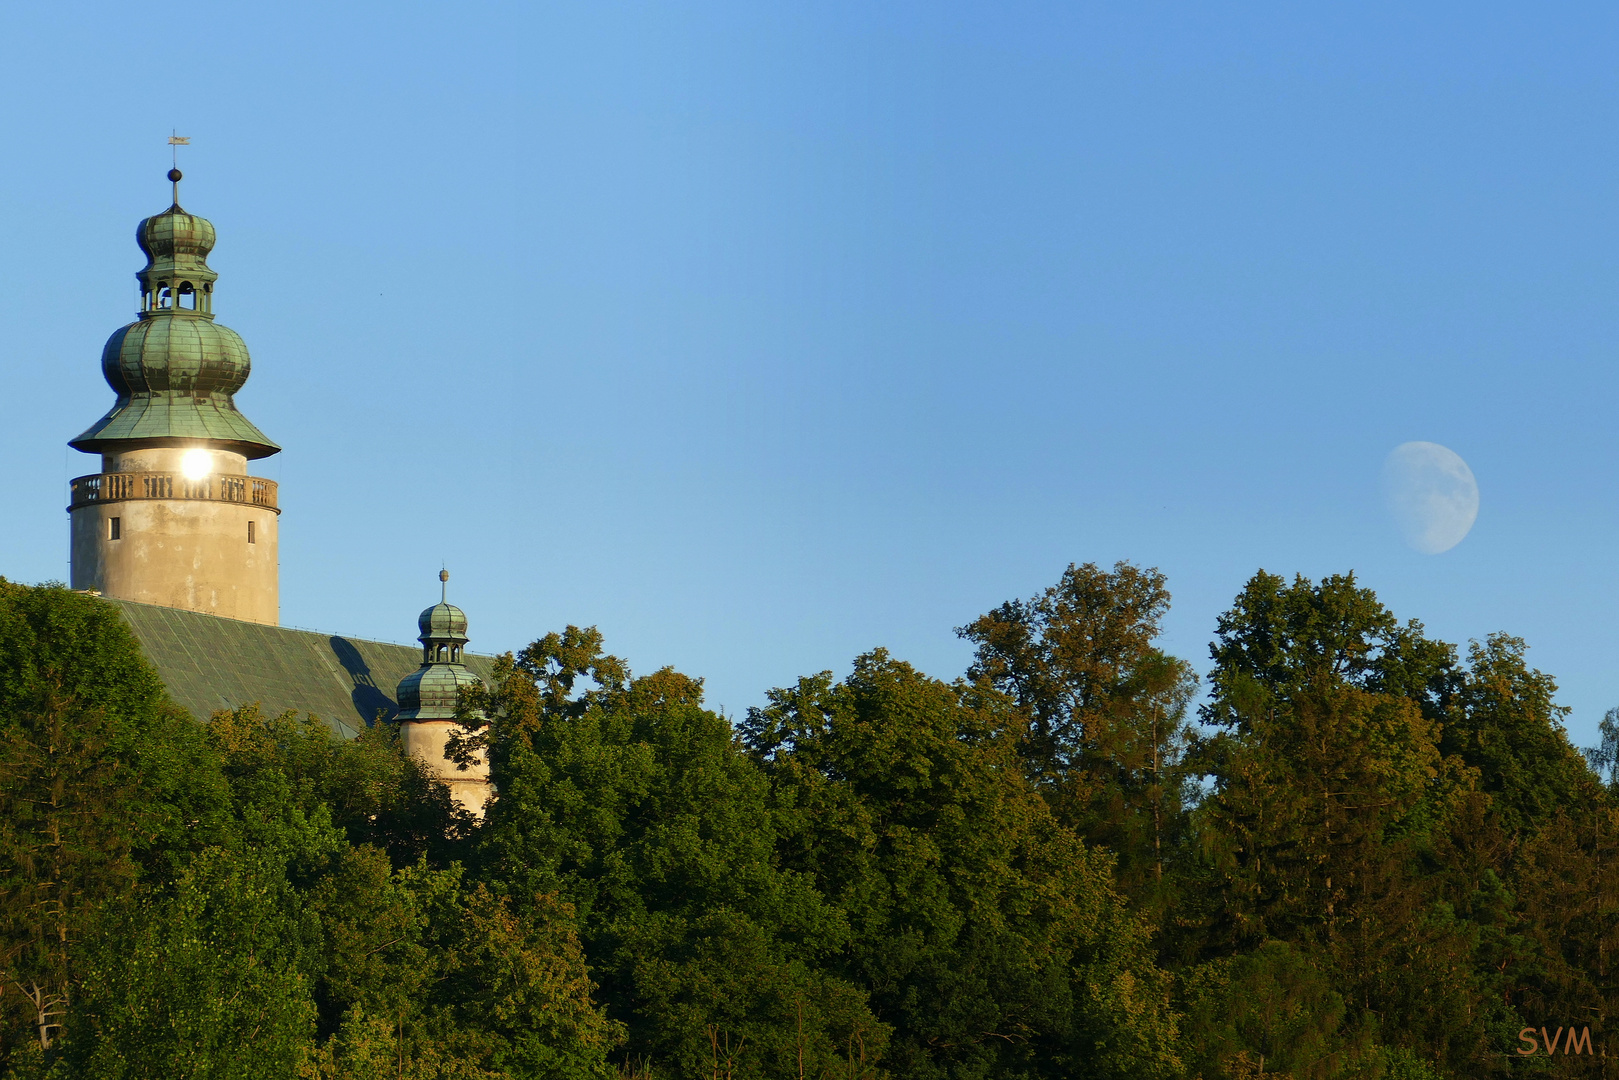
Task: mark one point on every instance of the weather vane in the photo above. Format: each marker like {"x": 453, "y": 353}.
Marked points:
{"x": 176, "y": 141}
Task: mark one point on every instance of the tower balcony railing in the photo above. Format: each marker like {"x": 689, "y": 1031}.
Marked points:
{"x": 118, "y": 486}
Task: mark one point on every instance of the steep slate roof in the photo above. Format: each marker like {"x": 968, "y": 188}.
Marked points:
{"x": 210, "y": 663}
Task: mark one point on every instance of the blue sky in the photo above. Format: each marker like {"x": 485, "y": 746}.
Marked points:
{"x": 760, "y": 335}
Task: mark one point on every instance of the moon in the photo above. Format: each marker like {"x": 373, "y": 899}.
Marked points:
{"x": 1432, "y": 495}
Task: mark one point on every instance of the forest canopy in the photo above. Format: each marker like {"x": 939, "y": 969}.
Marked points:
{"x": 1349, "y": 851}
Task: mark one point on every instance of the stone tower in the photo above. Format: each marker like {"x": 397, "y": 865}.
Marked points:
{"x": 428, "y": 698}
{"x": 172, "y": 517}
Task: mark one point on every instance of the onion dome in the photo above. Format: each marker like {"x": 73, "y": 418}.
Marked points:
{"x": 175, "y": 370}
{"x": 443, "y": 622}
{"x": 176, "y": 244}
{"x": 432, "y": 691}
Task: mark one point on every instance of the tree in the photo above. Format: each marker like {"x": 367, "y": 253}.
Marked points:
{"x": 1604, "y": 757}
{"x": 205, "y": 980}
{"x": 428, "y": 979}
{"x": 1273, "y": 1012}
{"x": 1106, "y": 708}
{"x": 1503, "y": 721}
{"x": 367, "y": 787}
{"x": 1341, "y": 820}
{"x": 523, "y": 979}
{"x": 988, "y": 935}
{"x": 1279, "y": 638}
{"x": 99, "y": 778}
{"x": 1325, "y": 762}
{"x": 626, "y": 799}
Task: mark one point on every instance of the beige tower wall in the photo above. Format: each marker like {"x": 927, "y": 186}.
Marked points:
{"x": 425, "y": 740}
{"x": 173, "y": 459}
{"x": 182, "y": 553}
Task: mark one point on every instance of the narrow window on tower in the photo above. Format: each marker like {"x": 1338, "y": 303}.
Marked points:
{"x": 252, "y": 532}
{"x": 114, "y": 528}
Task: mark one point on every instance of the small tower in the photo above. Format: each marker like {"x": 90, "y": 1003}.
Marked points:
{"x": 173, "y": 518}
{"x": 429, "y": 695}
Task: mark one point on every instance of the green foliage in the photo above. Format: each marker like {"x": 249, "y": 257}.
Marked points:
{"x": 1604, "y": 757}
{"x": 203, "y": 980}
{"x": 1279, "y": 639}
{"x": 1313, "y": 810}
{"x": 988, "y": 936}
{"x": 1275, "y": 1011}
{"x": 1106, "y": 709}
{"x": 523, "y": 978}
{"x": 100, "y": 780}
{"x": 636, "y": 805}
{"x": 365, "y": 787}
{"x": 1377, "y": 860}
{"x": 1503, "y": 721}
{"x": 423, "y": 978}
{"x": 460, "y": 986}
{"x": 250, "y": 897}
{"x": 1419, "y": 827}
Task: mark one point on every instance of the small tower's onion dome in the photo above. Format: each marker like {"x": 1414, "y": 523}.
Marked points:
{"x": 433, "y": 691}
{"x": 442, "y": 623}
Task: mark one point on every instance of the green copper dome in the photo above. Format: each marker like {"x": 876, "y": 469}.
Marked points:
{"x": 176, "y": 244}
{"x": 175, "y": 371}
{"x": 442, "y": 622}
{"x": 432, "y": 691}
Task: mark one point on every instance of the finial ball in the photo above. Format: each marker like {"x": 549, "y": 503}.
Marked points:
{"x": 174, "y": 176}
{"x": 444, "y": 575}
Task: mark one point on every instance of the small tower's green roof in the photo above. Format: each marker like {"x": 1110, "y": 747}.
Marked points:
{"x": 442, "y": 623}
{"x": 175, "y": 371}
{"x": 433, "y": 691}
